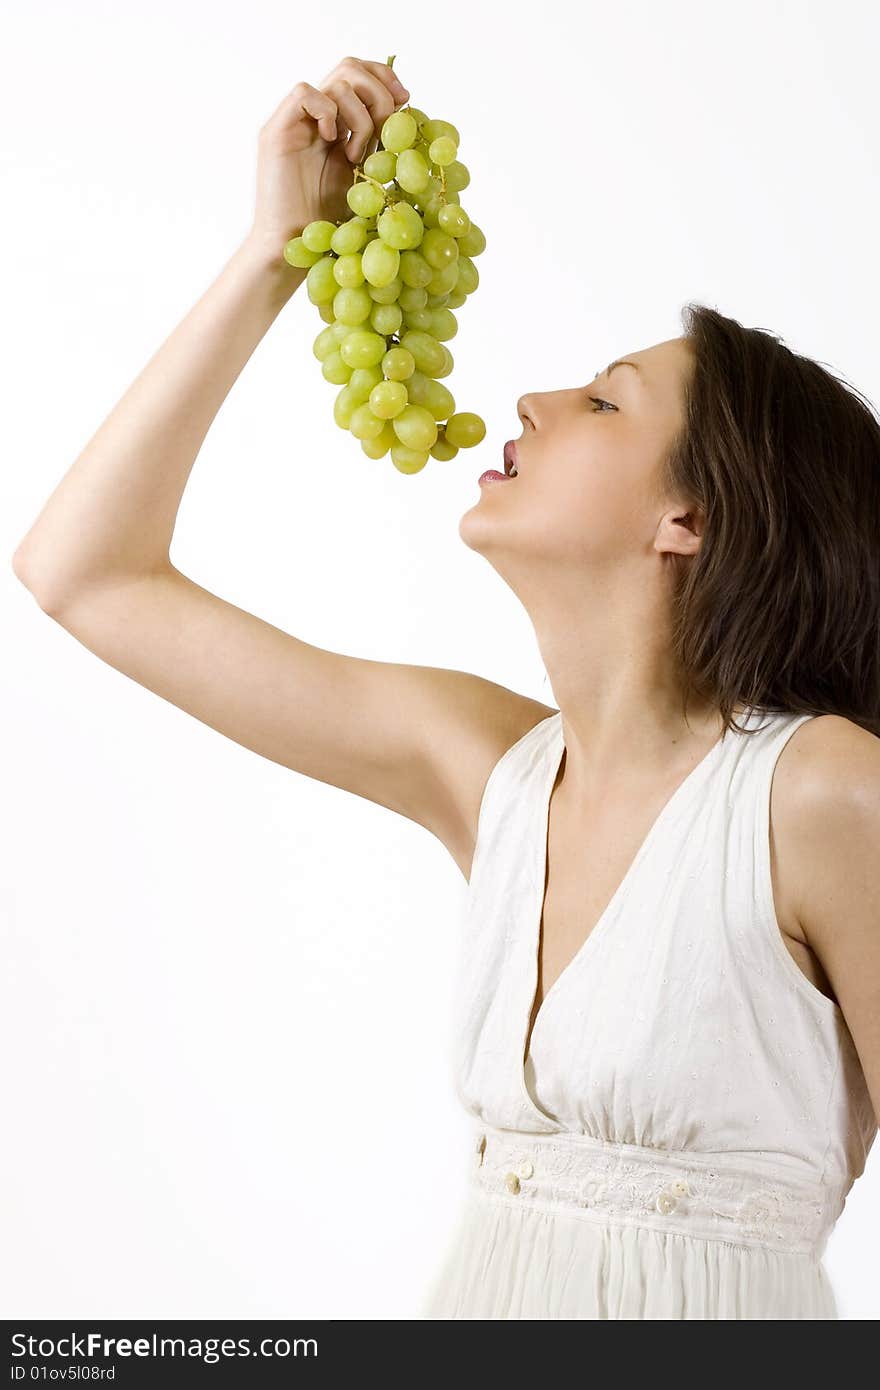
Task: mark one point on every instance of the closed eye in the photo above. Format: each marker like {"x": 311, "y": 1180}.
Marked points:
{"x": 599, "y": 401}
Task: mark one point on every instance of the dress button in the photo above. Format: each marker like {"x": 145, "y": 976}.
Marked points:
{"x": 526, "y": 1168}
{"x": 512, "y": 1182}
{"x": 681, "y": 1187}
{"x": 666, "y": 1203}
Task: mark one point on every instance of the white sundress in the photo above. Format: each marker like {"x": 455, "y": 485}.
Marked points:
{"x": 692, "y": 1111}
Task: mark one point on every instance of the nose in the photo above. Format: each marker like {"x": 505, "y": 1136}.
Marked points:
{"x": 525, "y": 410}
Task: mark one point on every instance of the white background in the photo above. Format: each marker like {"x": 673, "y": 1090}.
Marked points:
{"x": 227, "y": 988}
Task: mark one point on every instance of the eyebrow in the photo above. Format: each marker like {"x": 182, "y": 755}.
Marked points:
{"x": 623, "y": 363}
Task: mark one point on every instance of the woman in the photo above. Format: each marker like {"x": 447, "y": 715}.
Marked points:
{"x": 669, "y": 997}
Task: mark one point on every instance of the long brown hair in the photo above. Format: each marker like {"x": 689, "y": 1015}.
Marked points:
{"x": 780, "y": 608}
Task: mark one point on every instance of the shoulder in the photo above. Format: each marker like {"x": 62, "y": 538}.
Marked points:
{"x": 829, "y": 768}
{"x": 831, "y": 818}
{"x": 825, "y": 813}
{"x": 826, "y": 817}
{"x": 495, "y": 720}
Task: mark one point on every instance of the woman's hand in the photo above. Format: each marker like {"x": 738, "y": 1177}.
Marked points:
{"x": 309, "y": 146}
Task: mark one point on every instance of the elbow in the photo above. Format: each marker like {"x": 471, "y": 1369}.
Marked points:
{"x": 27, "y": 574}
{"x": 20, "y": 567}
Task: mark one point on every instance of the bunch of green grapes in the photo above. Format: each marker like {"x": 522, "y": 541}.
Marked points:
{"x": 386, "y": 282}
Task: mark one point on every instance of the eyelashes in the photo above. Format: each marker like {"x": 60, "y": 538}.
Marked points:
{"x": 598, "y": 400}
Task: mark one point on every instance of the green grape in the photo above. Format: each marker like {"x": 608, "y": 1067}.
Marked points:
{"x": 457, "y": 176}
{"x": 352, "y": 306}
{"x": 388, "y": 399}
{"x": 442, "y": 151}
{"x": 348, "y": 270}
{"x": 431, "y": 210}
{"x": 438, "y": 249}
{"x": 380, "y": 262}
{"x": 448, "y": 362}
{"x": 380, "y": 165}
{"x": 344, "y": 407}
{"x": 399, "y": 132}
{"x": 417, "y": 387}
{"x": 412, "y": 297}
{"x": 364, "y": 424}
{"x": 325, "y": 343}
{"x": 419, "y": 318}
{"x": 335, "y": 369}
{"x": 442, "y": 449}
{"x": 316, "y": 236}
{"x": 363, "y": 348}
{"x": 443, "y": 325}
{"x": 385, "y": 283}
{"x": 386, "y": 318}
{"x": 386, "y": 294}
{"x": 435, "y": 187}
{"x": 400, "y": 225}
{"x": 413, "y": 174}
{"x": 398, "y": 364}
{"x": 408, "y": 460}
{"x": 442, "y": 281}
{"x": 349, "y": 237}
{"x": 415, "y": 427}
{"x": 468, "y": 275}
{"x": 465, "y": 429}
{"x": 414, "y": 269}
{"x": 433, "y": 130}
{"x": 365, "y": 199}
{"x": 427, "y": 352}
{"x": 473, "y": 242}
{"x": 296, "y": 253}
{"x": 362, "y": 381}
{"x": 453, "y": 220}
{"x": 438, "y": 399}
{"x": 321, "y": 283}
{"x": 378, "y": 447}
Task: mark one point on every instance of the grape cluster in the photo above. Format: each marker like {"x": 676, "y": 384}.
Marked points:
{"x": 386, "y": 282}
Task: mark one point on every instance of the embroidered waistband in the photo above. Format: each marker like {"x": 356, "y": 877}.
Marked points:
{"x": 719, "y": 1196}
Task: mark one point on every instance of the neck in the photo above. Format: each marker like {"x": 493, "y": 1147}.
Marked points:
{"x": 621, "y": 700}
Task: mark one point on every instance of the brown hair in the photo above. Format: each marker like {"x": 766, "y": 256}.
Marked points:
{"x": 780, "y": 608}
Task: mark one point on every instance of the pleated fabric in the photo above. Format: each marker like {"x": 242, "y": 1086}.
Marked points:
{"x": 691, "y": 1114}
{"x": 519, "y": 1263}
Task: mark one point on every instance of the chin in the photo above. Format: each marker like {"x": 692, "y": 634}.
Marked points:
{"x": 474, "y": 528}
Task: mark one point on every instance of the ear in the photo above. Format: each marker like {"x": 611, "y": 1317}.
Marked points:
{"x": 679, "y": 532}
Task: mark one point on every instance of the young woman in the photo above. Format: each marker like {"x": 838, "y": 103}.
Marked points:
{"x": 670, "y": 987}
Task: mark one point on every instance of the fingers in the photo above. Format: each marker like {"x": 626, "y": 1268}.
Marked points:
{"x": 309, "y": 100}
{"x": 365, "y": 103}
{"x": 384, "y": 74}
{"x": 362, "y": 86}
{"x": 355, "y": 100}
{"x": 389, "y": 77}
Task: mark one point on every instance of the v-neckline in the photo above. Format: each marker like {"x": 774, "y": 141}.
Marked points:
{"x": 556, "y": 746}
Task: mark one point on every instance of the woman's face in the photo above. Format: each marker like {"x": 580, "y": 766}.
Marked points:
{"x": 588, "y": 463}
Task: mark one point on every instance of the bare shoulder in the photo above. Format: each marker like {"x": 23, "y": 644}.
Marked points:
{"x": 488, "y": 720}
{"x": 826, "y": 758}
{"x": 827, "y": 772}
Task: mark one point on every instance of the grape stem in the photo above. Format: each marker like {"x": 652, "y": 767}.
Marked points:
{"x": 359, "y": 173}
